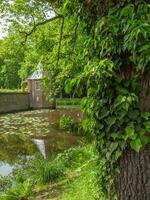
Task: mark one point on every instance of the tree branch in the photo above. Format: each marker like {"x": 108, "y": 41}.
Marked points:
{"x": 61, "y": 35}
{"x": 27, "y": 34}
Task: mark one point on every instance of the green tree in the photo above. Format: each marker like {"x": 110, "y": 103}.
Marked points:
{"x": 11, "y": 56}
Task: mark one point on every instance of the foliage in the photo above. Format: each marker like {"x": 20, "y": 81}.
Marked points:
{"x": 19, "y": 56}
{"x": 11, "y": 56}
{"x": 44, "y": 171}
{"x": 75, "y": 157}
{"x": 20, "y": 191}
{"x": 67, "y": 123}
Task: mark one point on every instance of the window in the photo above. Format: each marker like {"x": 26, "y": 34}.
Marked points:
{"x": 37, "y": 99}
{"x": 37, "y": 85}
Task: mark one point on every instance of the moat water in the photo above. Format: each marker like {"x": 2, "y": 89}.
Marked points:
{"x": 33, "y": 134}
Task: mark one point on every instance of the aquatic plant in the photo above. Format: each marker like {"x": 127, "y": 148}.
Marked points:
{"x": 68, "y": 123}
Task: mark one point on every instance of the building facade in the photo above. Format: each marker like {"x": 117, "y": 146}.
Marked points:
{"x": 37, "y": 97}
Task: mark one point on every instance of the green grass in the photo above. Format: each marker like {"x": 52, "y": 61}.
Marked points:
{"x": 43, "y": 171}
{"x": 68, "y": 101}
{"x": 84, "y": 187}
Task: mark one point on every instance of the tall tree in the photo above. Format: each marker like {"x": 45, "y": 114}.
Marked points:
{"x": 11, "y": 55}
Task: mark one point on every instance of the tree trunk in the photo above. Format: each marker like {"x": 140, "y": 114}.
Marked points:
{"x": 133, "y": 182}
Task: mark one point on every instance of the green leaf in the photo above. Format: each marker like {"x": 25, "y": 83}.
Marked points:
{"x": 136, "y": 144}
{"x": 144, "y": 139}
{"x": 110, "y": 120}
{"x": 130, "y": 131}
{"x": 133, "y": 114}
{"x": 125, "y": 106}
{"x": 83, "y": 102}
{"x": 142, "y": 131}
{"x": 147, "y": 126}
{"x": 104, "y": 113}
{"x": 113, "y": 146}
{"x": 146, "y": 115}
{"x": 121, "y": 99}
{"x": 144, "y": 48}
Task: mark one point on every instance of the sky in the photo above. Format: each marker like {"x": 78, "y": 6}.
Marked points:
{"x": 2, "y": 32}
{"x": 4, "y": 25}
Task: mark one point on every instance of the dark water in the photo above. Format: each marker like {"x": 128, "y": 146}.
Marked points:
{"x": 27, "y": 135}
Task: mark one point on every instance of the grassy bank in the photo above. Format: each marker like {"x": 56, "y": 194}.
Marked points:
{"x": 85, "y": 186}
{"x": 69, "y": 176}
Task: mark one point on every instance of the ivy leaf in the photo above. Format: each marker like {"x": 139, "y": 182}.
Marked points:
{"x": 136, "y": 145}
{"x": 144, "y": 48}
{"x": 121, "y": 114}
{"x": 133, "y": 114}
{"x": 147, "y": 126}
{"x": 104, "y": 113}
{"x": 125, "y": 106}
{"x": 110, "y": 120}
{"x": 130, "y": 132}
{"x": 146, "y": 115}
{"x": 113, "y": 146}
{"x": 142, "y": 131}
{"x": 83, "y": 102}
{"x": 144, "y": 139}
{"x": 121, "y": 99}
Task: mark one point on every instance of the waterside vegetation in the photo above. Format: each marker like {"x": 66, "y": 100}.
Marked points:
{"x": 46, "y": 175}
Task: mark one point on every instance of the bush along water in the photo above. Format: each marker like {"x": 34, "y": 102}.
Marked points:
{"x": 68, "y": 123}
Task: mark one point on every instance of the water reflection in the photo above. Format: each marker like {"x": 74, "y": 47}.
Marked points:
{"x": 5, "y": 169}
{"x": 41, "y": 146}
{"x": 32, "y": 134}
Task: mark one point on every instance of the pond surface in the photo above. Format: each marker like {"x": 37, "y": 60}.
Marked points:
{"x": 33, "y": 134}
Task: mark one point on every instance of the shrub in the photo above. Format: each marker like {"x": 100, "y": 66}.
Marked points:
{"x": 67, "y": 123}
{"x": 75, "y": 157}
{"x": 45, "y": 171}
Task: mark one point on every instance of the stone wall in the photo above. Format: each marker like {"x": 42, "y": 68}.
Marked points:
{"x": 11, "y": 102}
